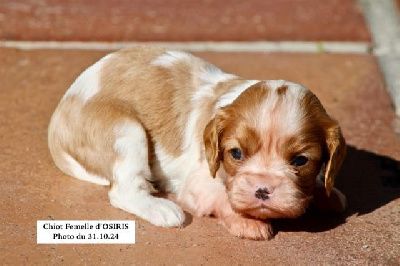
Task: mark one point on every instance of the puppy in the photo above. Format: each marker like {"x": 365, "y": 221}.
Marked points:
{"x": 143, "y": 120}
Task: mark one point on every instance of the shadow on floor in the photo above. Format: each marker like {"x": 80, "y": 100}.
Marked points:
{"x": 369, "y": 182}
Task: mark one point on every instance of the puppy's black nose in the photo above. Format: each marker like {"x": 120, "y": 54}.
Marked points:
{"x": 262, "y": 193}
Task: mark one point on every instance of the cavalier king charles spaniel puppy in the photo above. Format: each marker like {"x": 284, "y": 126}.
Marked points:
{"x": 147, "y": 120}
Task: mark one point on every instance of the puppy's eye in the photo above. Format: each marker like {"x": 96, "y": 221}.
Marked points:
{"x": 236, "y": 154}
{"x": 299, "y": 160}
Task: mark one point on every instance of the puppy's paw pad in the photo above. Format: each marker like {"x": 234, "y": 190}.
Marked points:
{"x": 249, "y": 228}
{"x": 164, "y": 213}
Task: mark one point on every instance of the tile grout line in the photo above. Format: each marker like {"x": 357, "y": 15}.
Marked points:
{"x": 383, "y": 18}
{"x": 262, "y": 46}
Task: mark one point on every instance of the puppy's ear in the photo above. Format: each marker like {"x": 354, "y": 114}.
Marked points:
{"x": 337, "y": 151}
{"x": 212, "y": 137}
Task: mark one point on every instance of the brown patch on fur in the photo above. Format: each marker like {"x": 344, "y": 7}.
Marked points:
{"x": 84, "y": 136}
{"x": 153, "y": 93}
{"x": 246, "y": 139}
{"x": 312, "y": 149}
{"x": 282, "y": 90}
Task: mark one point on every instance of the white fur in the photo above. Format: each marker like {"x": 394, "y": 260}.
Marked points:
{"x": 274, "y": 84}
{"x": 209, "y": 78}
{"x": 189, "y": 138}
{"x": 131, "y": 190}
{"x": 289, "y": 115}
{"x": 176, "y": 169}
{"x": 200, "y": 191}
{"x": 79, "y": 172}
{"x": 131, "y": 144}
{"x": 213, "y": 75}
{"x": 170, "y": 58}
{"x": 87, "y": 84}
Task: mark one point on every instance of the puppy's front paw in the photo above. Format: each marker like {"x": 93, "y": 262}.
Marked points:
{"x": 162, "y": 212}
{"x": 248, "y": 228}
{"x": 158, "y": 211}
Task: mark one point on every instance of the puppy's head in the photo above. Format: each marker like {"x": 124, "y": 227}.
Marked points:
{"x": 273, "y": 141}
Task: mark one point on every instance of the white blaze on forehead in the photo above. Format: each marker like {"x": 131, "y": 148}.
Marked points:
{"x": 170, "y": 58}
{"x": 230, "y": 96}
{"x": 282, "y": 111}
{"x": 88, "y": 83}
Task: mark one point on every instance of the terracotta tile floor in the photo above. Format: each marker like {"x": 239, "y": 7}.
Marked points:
{"x": 34, "y": 189}
{"x": 349, "y": 85}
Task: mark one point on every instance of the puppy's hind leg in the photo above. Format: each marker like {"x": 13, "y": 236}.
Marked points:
{"x": 130, "y": 189}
